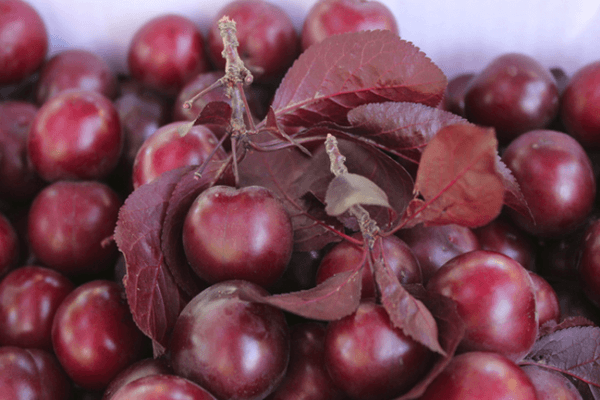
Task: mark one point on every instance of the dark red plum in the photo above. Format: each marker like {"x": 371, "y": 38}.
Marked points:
{"x": 137, "y": 370}
{"x": 481, "y": 376}
{"x": 69, "y": 225}
{"x": 495, "y": 297}
{"x": 306, "y": 377}
{"x": 75, "y": 69}
{"x": 580, "y": 106}
{"x": 166, "y": 52}
{"x": 9, "y": 246}
{"x": 166, "y": 149}
{"x": 234, "y": 348}
{"x": 75, "y": 135}
{"x": 551, "y": 385}
{"x": 162, "y": 387}
{"x": 94, "y": 336}
{"x": 513, "y": 94}
{"x": 32, "y": 374}
{"x": 329, "y": 17}
{"x": 556, "y": 178}
{"x": 435, "y": 245}
{"x": 369, "y": 359}
{"x": 241, "y": 233}
{"x": 24, "y": 42}
{"x": 268, "y": 41}
{"x": 29, "y": 298}
{"x": 346, "y": 256}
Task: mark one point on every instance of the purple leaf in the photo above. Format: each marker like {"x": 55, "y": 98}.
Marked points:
{"x": 348, "y": 70}
{"x": 153, "y": 296}
{"x": 574, "y": 351}
{"x": 332, "y": 299}
{"x": 403, "y": 129}
{"x": 347, "y": 190}
{"x": 458, "y": 179}
{"x": 406, "y": 313}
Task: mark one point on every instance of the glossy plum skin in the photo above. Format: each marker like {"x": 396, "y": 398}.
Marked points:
{"x": 496, "y": 299}
{"x": 588, "y": 270}
{"x": 166, "y": 52}
{"x": 166, "y": 149}
{"x": 94, "y": 336}
{"x": 162, "y": 387}
{"x": 19, "y": 181}
{"x": 481, "y": 376}
{"x": 556, "y": 178}
{"x": 75, "y": 69}
{"x": 580, "y": 106}
{"x": 514, "y": 94}
{"x": 24, "y": 41}
{"x": 9, "y": 246}
{"x": 546, "y": 300}
{"x": 32, "y": 374}
{"x": 29, "y": 298}
{"x": 454, "y": 97}
{"x": 435, "y": 245}
{"x": 85, "y": 210}
{"x": 346, "y": 256}
{"x": 503, "y": 236}
{"x": 137, "y": 370}
{"x": 268, "y": 41}
{"x": 551, "y": 385}
{"x": 306, "y": 377}
{"x": 241, "y": 233}
{"x": 75, "y": 135}
{"x": 218, "y": 328}
{"x": 326, "y": 18}
{"x": 370, "y": 359}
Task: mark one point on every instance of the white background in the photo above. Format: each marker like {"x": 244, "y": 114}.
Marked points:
{"x": 459, "y": 36}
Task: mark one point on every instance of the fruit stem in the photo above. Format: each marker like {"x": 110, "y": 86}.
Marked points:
{"x": 368, "y": 227}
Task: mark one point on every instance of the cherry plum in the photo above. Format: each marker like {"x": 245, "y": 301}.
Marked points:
{"x": 241, "y": 233}
{"x": 29, "y": 298}
{"x": 75, "y": 69}
{"x": 346, "y": 256}
{"x": 514, "y": 94}
{"x": 556, "y": 178}
{"x": 68, "y": 224}
{"x": 166, "y": 52}
{"x": 368, "y": 358}
{"x": 495, "y": 298}
{"x": 481, "y": 376}
{"x": 9, "y": 246}
{"x": 234, "y": 348}
{"x": 329, "y": 17}
{"x": 75, "y": 135}
{"x": 94, "y": 336}
{"x": 268, "y": 41}
{"x": 32, "y": 374}
{"x": 24, "y": 41}
{"x": 162, "y": 387}
{"x": 166, "y": 149}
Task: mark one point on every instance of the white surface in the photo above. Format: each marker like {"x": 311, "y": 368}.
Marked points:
{"x": 459, "y": 35}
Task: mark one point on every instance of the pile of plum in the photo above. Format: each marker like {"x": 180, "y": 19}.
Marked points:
{"x": 263, "y": 213}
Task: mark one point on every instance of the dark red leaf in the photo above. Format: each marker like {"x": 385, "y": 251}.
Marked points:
{"x": 279, "y": 172}
{"x": 154, "y": 298}
{"x": 403, "y": 129}
{"x": 513, "y": 197}
{"x": 181, "y": 199}
{"x": 215, "y": 112}
{"x": 451, "y": 331}
{"x": 574, "y": 351}
{"x": 374, "y": 165}
{"x": 332, "y": 299}
{"x": 458, "y": 179}
{"x": 406, "y": 313}
{"x": 348, "y": 70}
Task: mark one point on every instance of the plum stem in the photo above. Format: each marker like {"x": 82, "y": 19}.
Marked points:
{"x": 368, "y": 227}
